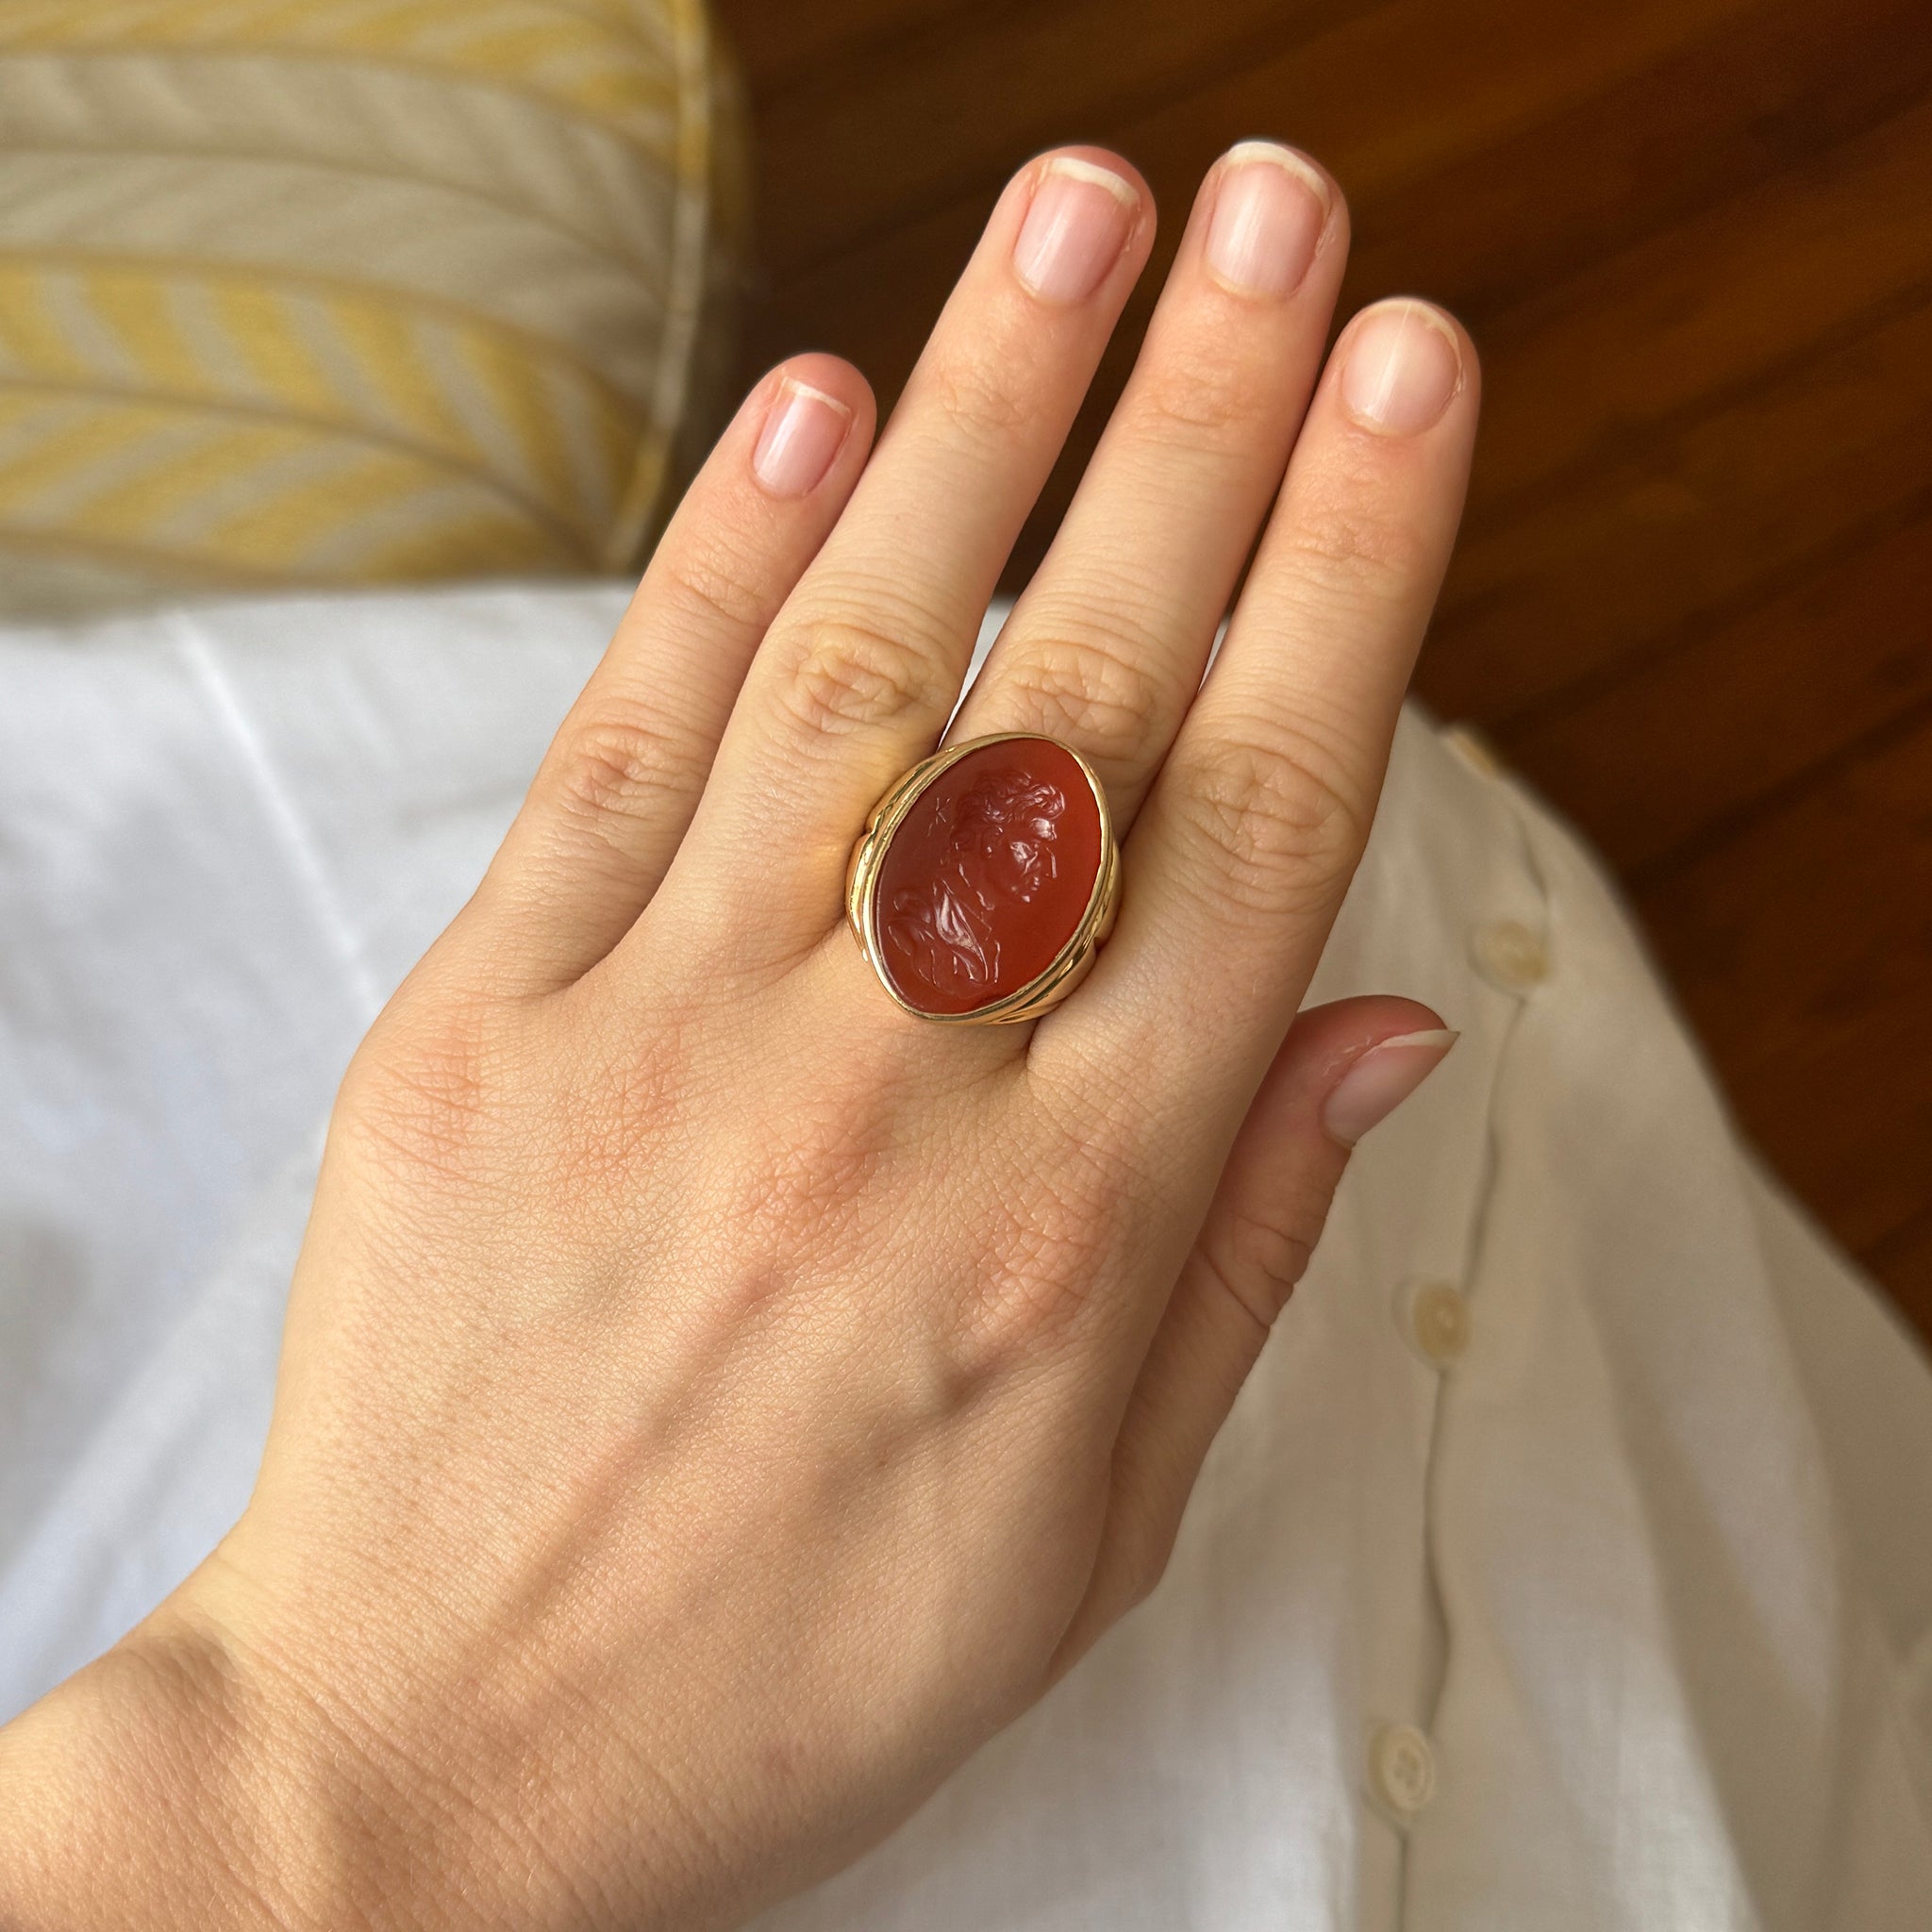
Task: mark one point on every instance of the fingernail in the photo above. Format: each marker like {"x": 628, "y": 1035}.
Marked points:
{"x": 1081, "y": 218}
{"x": 804, "y": 430}
{"x": 1404, "y": 364}
{"x": 1270, "y": 209}
{"x": 1380, "y": 1081}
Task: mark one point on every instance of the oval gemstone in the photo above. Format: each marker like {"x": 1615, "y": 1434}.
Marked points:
{"x": 988, "y": 876}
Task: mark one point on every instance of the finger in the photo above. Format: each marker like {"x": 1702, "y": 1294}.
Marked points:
{"x": 1343, "y": 1069}
{"x": 617, "y": 790}
{"x": 1106, "y": 647}
{"x": 865, "y": 666}
{"x": 1254, "y": 828}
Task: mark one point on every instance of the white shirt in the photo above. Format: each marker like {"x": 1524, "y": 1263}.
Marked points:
{"x": 1567, "y": 1563}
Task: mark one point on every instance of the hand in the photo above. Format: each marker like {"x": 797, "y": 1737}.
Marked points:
{"x": 715, "y": 1400}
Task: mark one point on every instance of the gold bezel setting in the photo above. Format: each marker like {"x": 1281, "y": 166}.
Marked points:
{"x": 1073, "y": 960}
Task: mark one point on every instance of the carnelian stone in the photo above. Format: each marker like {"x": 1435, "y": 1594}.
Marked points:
{"x": 988, "y": 876}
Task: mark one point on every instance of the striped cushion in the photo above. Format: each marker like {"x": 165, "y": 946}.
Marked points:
{"x": 347, "y": 292}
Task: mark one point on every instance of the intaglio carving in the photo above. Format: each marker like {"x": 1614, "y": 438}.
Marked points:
{"x": 999, "y": 851}
{"x": 986, "y": 879}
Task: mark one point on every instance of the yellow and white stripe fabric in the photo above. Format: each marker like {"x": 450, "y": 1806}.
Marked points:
{"x": 346, "y": 291}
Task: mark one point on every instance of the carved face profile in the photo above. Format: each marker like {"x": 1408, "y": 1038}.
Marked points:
{"x": 1005, "y": 831}
{"x": 999, "y": 849}
{"x": 982, "y": 875}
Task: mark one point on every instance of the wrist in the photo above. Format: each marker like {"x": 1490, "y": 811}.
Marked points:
{"x": 131, "y": 1794}
{"x": 198, "y": 1776}
{"x": 180, "y": 1782}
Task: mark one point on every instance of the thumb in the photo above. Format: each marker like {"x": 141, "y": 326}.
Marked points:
{"x": 1342, "y": 1069}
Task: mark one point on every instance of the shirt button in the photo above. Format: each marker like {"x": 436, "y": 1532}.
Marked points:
{"x": 1436, "y": 1319}
{"x": 1402, "y": 1769}
{"x": 1510, "y": 955}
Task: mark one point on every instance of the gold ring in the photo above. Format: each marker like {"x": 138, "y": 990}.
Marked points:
{"x": 985, "y": 880}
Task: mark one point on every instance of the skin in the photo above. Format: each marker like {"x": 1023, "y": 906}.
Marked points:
{"x": 713, "y": 1402}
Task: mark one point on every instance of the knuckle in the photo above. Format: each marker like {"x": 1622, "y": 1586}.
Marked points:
{"x": 718, "y": 587}
{"x": 848, "y": 674}
{"x": 802, "y": 1189}
{"x": 1194, "y": 398}
{"x": 814, "y": 1169}
{"x": 1096, "y": 689}
{"x": 424, "y": 1088}
{"x": 1046, "y": 1266}
{"x": 618, "y": 769}
{"x": 980, "y": 396}
{"x": 1274, "y": 817}
{"x": 613, "y": 1111}
{"x": 1353, "y": 554}
{"x": 1259, "y": 1261}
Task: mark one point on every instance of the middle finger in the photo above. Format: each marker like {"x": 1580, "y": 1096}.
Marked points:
{"x": 1106, "y": 647}
{"x": 862, "y": 668}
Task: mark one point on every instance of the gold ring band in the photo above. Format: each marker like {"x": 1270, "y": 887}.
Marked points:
{"x": 986, "y": 880}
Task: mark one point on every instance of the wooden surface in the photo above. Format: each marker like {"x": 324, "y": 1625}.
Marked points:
{"x": 1693, "y": 602}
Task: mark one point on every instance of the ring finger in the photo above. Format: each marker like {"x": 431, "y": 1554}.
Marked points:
{"x": 1262, "y": 809}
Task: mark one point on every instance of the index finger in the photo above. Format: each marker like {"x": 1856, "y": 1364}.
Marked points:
{"x": 1237, "y": 868}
